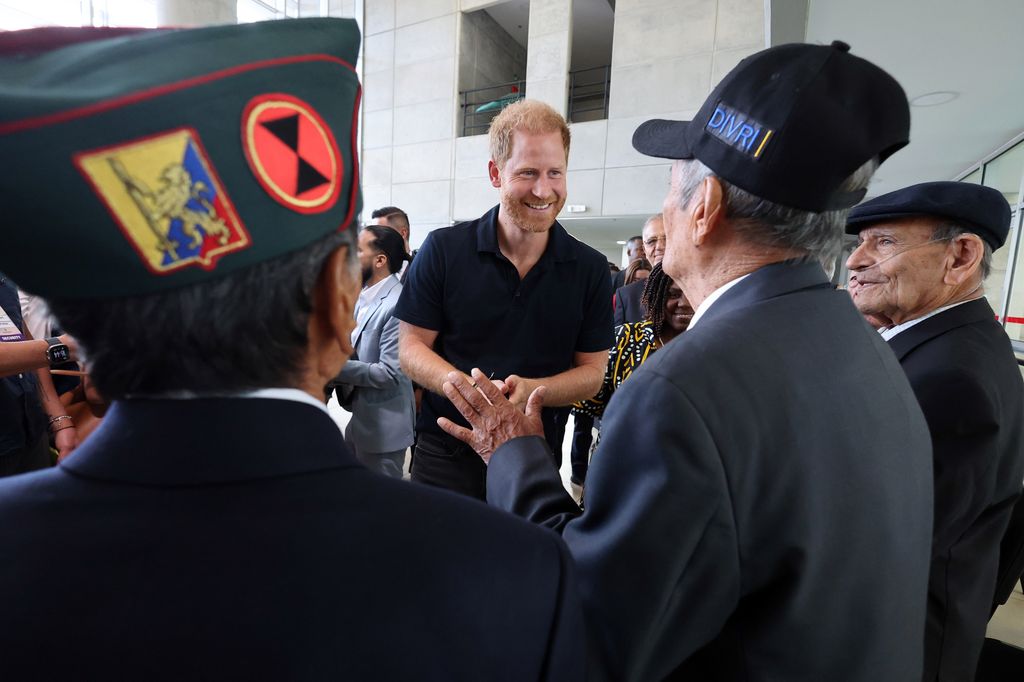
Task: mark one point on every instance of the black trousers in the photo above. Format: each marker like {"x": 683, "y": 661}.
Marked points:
{"x": 445, "y": 462}
{"x": 579, "y": 456}
{"x": 35, "y": 456}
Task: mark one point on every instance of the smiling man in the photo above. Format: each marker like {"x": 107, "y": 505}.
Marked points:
{"x": 510, "y": 292}
{"x": 919, "y": 268}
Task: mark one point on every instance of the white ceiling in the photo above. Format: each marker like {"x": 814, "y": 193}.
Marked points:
{"x": 974, "y": 48}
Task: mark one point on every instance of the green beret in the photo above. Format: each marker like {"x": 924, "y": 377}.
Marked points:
{"x": 140, "y": 161}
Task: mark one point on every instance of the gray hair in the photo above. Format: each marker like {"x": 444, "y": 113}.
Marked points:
{"x": 243, "y": 331}
{"x": 766, "y": 223}
{"x": 952, "y": 230}
{"x": 656, "y": 216}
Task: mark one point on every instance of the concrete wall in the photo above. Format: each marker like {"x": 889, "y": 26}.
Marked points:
{"x": 194, "y": 13}
{"x": 549, "y": 50}
{"x": 666, "y": 56}
{"x": 409, "y": 104}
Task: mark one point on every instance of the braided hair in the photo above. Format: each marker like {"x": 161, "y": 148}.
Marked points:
{"x": 655, "y": 296}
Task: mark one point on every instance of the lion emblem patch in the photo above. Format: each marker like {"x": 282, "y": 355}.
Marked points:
{"x": 165, "y": 195}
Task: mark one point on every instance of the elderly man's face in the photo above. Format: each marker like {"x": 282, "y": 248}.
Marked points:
{"x": 897, "y": 270}
{"x": 654, "y": 240}
{"x": 676, "y": 222}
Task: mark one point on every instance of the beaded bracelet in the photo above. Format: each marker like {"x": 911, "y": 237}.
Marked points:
{"x": 56, "y": 420}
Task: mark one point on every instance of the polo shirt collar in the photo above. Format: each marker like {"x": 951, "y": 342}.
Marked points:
{"x": 560, "y": 243}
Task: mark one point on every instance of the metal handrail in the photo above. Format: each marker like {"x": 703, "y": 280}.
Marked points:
{"x": 480, "y": 105}
{"x": 588, "y": 90}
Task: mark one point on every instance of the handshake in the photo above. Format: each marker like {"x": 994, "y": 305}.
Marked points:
{"x": 497, "y": 410}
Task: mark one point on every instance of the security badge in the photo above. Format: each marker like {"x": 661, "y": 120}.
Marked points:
{"x": 739, "y": 130}
{"x": 8, "y": 330}
{"x": 165, "y": 195}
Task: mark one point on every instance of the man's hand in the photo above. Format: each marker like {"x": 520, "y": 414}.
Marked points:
{"x": 494, "y": 419}
{"x": 520, "y": 389}
{"x": 66, "y": 440}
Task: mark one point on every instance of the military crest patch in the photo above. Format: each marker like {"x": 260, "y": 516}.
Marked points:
{"x": 292, "y": 152}
{"x": 163, "y": 192}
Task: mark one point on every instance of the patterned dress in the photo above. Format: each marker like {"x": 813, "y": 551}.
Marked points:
{"x": 634, "y": 342}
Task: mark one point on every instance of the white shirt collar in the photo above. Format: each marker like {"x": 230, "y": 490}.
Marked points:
{"x": 292, "y": 394}
{"x": 370, "y": 294}
{"x": 889, "y": 332}
{"x": 712, "y": 297}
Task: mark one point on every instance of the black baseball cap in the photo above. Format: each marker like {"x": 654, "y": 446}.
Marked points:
{"x": 789, "y": 124}
{"x": 982, "y": 210}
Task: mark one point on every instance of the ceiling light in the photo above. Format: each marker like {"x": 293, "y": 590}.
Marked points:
{"x": 621, "y": 243}
{"x": 934, "y": 99}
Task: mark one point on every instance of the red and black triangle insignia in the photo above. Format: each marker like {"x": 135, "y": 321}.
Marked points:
{"x": 292, "y": 153}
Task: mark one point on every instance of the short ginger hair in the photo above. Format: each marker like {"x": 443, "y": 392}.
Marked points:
{"x": 528, "y": 115}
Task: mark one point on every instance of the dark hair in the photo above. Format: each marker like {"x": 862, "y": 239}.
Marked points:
{"x": 395, "y": 216}
{"x": 243, "y": 331}
{"x": 637, "y": 238}
{"x": 391, "y": 244}
{"x": 631, "y": 269}
{"x": 655, "y": 296}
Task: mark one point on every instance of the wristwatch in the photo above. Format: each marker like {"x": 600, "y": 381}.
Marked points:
{"x": 57, "y": 352}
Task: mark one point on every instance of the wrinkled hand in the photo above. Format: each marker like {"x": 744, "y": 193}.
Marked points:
{"x": 520, "y": 389}
{"x": 494, "y": 419}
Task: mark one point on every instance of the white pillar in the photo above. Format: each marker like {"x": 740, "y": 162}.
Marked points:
{"x": 196, "y": 12}
{"x": 548, "y": 53}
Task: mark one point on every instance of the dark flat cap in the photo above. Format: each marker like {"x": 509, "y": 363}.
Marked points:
{"x": 981, "y": 209}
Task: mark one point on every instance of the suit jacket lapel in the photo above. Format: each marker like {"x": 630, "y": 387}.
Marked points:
{"x": 385, "y": 291}
{"x": 972, "y": 312}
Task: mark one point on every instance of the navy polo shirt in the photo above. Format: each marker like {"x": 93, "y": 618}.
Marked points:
{"x": 461, "y": 286}
{"x": 22, "y": 420}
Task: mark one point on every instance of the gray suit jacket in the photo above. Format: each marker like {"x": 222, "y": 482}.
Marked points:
{"x": 771, "y": 520}
{"x": 372, "y": 386}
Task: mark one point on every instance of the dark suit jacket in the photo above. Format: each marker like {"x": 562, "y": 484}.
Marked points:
{"x": 963, "y": 371}
{"x": 760, "y": 505}
{"x": 618, "y": 278}
{"x": 239, "y": 539}
{"x": 627, "y": 303}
